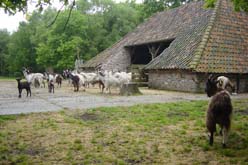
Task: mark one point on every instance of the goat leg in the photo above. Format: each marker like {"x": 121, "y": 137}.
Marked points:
{"x": 221, "y": 130}
{"x": 20, "y": 93}
{"x": 77, "y": 87}
{"x": 211, "y": 138}
{"x": 225, "y": 134}
{"x": 27, "y": 92}
{"x": 103, "y": 88}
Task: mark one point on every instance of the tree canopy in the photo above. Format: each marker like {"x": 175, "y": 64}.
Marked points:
{"x": 13, "y": 6}
{"x": 239, "y": 5}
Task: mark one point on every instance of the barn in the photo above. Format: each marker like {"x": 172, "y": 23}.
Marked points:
{"x": 179, "y": 48}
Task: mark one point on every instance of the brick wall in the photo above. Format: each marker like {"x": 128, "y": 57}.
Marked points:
{"x": 179, "y": 80}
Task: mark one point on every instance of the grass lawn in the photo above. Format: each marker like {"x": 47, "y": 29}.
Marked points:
{"x": 6, "y": 78}
{"x": 171, "y": 133}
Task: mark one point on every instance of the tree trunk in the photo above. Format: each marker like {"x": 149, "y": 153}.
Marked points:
{"x": 130, "y": 89}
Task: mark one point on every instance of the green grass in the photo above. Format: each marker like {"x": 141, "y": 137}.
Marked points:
{"x": 2, "y": 78}
{"x": 171, "y": 133}
{"x": 5, "y": 118}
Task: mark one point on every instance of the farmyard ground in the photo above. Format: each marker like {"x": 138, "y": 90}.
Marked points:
{"x": 169, "y": 133}
{"x": 161, "y": 133}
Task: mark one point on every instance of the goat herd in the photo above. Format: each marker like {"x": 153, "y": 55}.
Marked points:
{"x": 105, "y": 79}
{"x": 219, "y": 109}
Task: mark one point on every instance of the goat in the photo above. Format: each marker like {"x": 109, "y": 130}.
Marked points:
{"x": 36, "y": 83}
{"x": 224, "y": 83}
{"x": 32, "y": 77}
{"x": 58, "y": 79}
{"x": 93, "y": 78}
{"x": 123, "y": 77}
{"x": 51, "y": 86}
{"x": 89, "y": 78}
{"x": 109, "y": 80}
{"x": 23, "y": 85}
{"x": 75, "y": 81}
{"x": 219, "y": 110}
{"x": 117, "y": 79}
{"x": 101, "y": 84}
{"x": 81, "y": 80}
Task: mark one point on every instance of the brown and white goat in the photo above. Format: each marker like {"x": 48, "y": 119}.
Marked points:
{"x": 219, "y": 110}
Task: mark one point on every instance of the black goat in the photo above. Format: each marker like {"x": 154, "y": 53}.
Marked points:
{"x": 219, "y": 110}
{"x": 75, "y": 81}
{"x": 50, "y": 86}
{"x": 23, "y": 85}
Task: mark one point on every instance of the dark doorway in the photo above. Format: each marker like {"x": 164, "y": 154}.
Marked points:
{"x": 143, "y": 54}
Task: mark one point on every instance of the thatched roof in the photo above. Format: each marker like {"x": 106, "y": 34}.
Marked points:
{"x": 160, "y": 27}
{"x": 219, "y": 45}
{"x": 206, "y": 40}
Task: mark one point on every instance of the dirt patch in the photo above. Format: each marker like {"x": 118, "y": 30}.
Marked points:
{"x": 34, "y": 151}
{"x": 131, "y": 161}
{"x": 89, "y": 117}
{"x": 29, "y": 151}
{"x": 174, "y": 114}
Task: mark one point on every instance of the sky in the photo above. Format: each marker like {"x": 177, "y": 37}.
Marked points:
{"x": 11, "y": 22}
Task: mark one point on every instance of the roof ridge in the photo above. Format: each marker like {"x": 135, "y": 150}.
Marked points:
{"x": 199, "y": 50}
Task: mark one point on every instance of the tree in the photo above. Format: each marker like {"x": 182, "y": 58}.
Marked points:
{"x": 150, "y": 7}
{"x": 58, "y": 47}
{"x": 90, "y": 30}
{"x": 21, "y": 49}
{"x": 13, "y": 6}
{"x": 119, "y": 19}
{"x": 239, "y": 5}
{"x": 5, "y": 37}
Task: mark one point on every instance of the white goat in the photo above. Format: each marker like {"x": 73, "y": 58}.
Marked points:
{"x": 31, "y": 77}
{"x": 123, "y": 77}
{"x": 224, "y": 82}
{"x": 90, "y": 78}
{"x": 117, "y": 79}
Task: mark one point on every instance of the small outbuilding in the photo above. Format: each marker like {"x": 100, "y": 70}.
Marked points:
{"x": 179, "y": 48}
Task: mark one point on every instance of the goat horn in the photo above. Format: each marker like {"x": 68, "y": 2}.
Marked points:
{"x": 212, "y": 78}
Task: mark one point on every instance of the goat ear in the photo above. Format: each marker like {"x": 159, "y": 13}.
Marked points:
{"x": 209, "y": 80}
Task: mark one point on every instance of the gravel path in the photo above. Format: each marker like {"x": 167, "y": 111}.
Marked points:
{"x": 65, "y": 98}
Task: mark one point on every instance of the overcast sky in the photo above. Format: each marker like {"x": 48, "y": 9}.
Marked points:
{"x": 11, "y": 22}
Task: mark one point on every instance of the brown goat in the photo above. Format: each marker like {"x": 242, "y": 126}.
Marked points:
{"x": 58, "y": 80}
{"x": 219, "y": 110}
